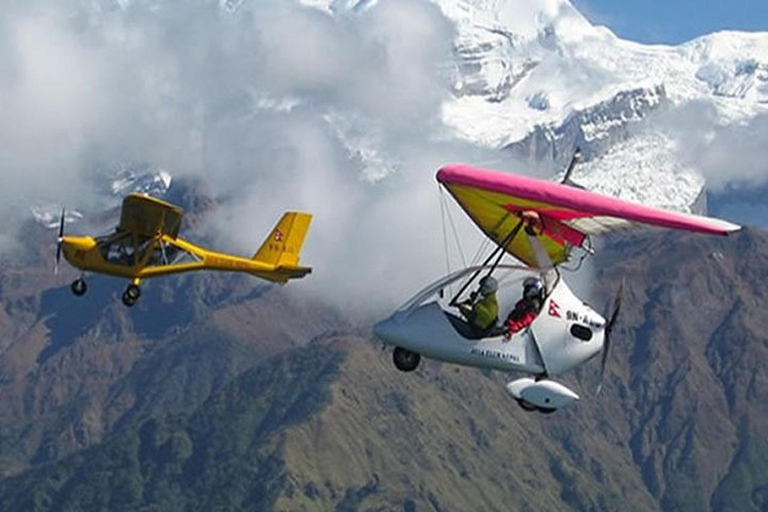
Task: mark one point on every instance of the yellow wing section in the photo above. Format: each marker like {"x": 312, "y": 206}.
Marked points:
{"x": 148, "y": 216}
{"x": 491, "y": 213}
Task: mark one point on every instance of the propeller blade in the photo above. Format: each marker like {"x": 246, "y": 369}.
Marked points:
{"x": 59, "y": 242}
{"x": 608, "y": 330}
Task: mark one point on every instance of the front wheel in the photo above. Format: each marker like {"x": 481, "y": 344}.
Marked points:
{"x": 529, "y": 407}
{"x": 79, "y": 287}
{"x": 405, "y": 360}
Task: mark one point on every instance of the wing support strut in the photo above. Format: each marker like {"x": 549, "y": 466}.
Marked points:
{"x": 567, "y": 178}
{"x": 497, "y": 253}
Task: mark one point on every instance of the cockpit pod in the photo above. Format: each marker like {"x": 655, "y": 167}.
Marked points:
{"x": 565, "y": 333}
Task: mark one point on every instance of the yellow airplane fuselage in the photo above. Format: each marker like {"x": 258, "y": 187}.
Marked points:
{"x": 146, "y": 244}
{"x": 83, "y": 252}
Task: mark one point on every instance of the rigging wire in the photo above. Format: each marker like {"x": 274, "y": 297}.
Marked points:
{"x": 446, "y": 248}
{"x": 458, "y": 242}
{"x": 480, "y": 250}
{"x": 498, "y": 253}
{"x": 445, "y": 234}
{"x": 585, "y": 252}
{"x": 456, "y": 236}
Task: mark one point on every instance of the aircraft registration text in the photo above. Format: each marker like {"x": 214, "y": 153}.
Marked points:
{"x": 495, "y": 354}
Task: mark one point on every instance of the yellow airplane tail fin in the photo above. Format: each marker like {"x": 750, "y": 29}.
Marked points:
{"x": 283, "y": 246}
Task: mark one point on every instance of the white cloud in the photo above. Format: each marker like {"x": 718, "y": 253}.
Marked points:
{"x": 246, "y": 100}
{"x": 726, "y": 155}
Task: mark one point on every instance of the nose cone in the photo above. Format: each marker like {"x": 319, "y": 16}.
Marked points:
{"x": 82, "y": 243}
{"x": 72, "y": 244}
{"x": 386, "y": 330}
{"x": 382, "y": 330}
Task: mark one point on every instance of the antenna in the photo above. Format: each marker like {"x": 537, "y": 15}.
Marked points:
{"x": 574, "y": 160}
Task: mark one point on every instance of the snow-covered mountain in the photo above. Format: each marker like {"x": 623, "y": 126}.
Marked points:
{"x": 141, "y": 179}
{"x": 530, "y": 78}
{"x": 49, "y": 215}
{"x": 537, "y": 78}
{"x": 113, "y": 185}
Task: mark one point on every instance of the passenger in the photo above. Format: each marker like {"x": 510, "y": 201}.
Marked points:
{"x": 527, "y": 308}
{"x": 482, "y": 315}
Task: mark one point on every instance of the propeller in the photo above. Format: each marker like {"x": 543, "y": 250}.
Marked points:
{"x": 608, "y": 330}
{"x": 59, "y": 242}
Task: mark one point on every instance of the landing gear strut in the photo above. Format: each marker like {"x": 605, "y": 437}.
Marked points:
{"x": 405, "y": 360}
{"x": 131, "y": 294}
{"x": 79, "y": 287}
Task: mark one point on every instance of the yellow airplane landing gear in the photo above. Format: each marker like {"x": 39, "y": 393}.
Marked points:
{"x": 79, "y": 287}
{"x": 132, "y": 293}
{"x": 146, "y": 244}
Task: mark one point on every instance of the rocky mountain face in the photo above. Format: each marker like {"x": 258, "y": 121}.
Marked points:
{"x": 74, "y": 370}
{"x": 242, "y": 409}
{"x": 594, "y": 130}
{"x": 537, "y": 78}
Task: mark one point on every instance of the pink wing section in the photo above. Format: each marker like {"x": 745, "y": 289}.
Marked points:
{"x": 583, "y": 211}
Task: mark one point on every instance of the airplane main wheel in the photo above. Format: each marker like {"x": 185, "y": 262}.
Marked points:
{"x": 127, "y": 300}
{"x": 133, "y": 292}
{"x": 405, "y": 360}
{"x": 131, "y": 295}
{"x": 529, "y": 407}
{"x": 79, "y": 287}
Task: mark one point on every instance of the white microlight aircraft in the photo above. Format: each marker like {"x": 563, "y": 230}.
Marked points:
{"x": 542, "y": 224}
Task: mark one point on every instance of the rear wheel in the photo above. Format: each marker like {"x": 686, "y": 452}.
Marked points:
{"x": 405, "y": 360}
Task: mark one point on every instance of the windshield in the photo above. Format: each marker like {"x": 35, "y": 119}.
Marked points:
{"x": 509, "y": 277}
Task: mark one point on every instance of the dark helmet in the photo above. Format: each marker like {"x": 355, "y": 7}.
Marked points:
{"x": 532, "y": 287}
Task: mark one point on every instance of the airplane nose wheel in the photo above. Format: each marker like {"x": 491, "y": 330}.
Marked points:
{"x": 529, "y": 407}
{"x": 405, "y": 360}
{"x": 79, "y": 287}
{"x": 131, "y": 295}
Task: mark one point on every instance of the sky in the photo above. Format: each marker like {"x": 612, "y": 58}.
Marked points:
{"x": 674, "y": 21}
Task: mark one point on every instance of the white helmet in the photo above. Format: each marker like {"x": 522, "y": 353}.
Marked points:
{"x": 488, "y": 285}
{"x": 532, "y": 287}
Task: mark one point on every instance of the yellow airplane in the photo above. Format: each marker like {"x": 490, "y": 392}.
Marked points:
{"x": 146, "y": 244}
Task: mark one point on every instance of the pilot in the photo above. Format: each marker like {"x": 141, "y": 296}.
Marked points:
{"x": 482, "y": 315}
{"x": 526, "y": 308}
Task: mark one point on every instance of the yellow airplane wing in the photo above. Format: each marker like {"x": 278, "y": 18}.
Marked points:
{"x": 148, "y": 216}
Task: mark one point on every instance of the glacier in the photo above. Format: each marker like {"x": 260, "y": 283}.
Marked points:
{"x": 537, "y": 79}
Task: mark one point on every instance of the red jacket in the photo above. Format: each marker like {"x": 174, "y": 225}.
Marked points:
{"x": 521, "y": 317}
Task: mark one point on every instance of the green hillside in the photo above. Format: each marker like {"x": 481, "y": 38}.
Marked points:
{"x": 329, "y": 424}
